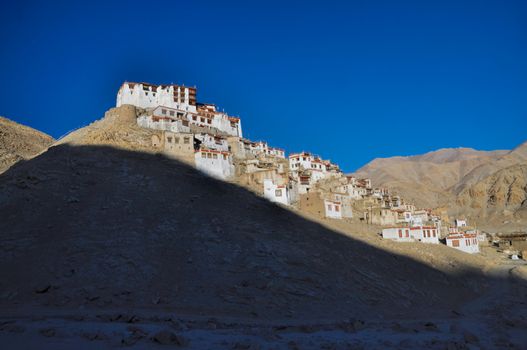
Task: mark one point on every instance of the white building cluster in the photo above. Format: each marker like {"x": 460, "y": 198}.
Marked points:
{"x": 460, "y": 236}
{"x": 212, "y": 141}
{"x": 175, "y": 108}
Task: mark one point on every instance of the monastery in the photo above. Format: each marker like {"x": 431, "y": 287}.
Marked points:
{"x": 212, "y": 141}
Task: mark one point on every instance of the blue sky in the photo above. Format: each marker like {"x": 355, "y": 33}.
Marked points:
{"x": 350, "y": 80}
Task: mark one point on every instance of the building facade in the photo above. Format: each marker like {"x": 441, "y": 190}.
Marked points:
{"x": 466, "y": 242}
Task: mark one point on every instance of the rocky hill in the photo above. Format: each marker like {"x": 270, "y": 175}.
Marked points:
{"x": 117, "y": 226}
{"x": 499, "y": 197}
{"x": 104, "y": 239}
{"x": 19, "y": 142}
{"x": 455, "y": 178}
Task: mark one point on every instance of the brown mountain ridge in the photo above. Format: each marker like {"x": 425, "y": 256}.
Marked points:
{"x": 484, "y": 185}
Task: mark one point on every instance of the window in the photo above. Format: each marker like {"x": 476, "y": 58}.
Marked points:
{"x": 400, "y": 233}
{"x": 455, "y": 243}
{"x": 186, "y": 140}
{"x": 209, "y": 121}
{"x": 172, "y": 113}
{"x": 163, "y": 111}
{"x": 209, "y": 155}
{"x": 214, "y": 156}
{"x": 278, "y": 193}
{"x": 169, "y": 139}
{"x": 337, "y": 208}
{"x": 202, "y": 120}
{"x": 224, "y": 157}
{"x": 203, "y": 155}
{"x": 434, "y": 232}
{"x": 194, "y": 117}
{"x": 407, "y": 233}
{"x": 176, "y": 139}
{"x": 330, "y": 208}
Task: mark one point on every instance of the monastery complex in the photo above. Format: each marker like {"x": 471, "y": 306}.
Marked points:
{"x": 212, "y": 141}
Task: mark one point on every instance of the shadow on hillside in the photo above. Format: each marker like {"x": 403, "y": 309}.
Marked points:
{"x": 100, "y": 227}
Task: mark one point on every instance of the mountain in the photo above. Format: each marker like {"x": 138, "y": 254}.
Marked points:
{"x": 107, "y": 243}
{"x": 19, "y": 142}
{"x": 101, "y": 221}
{"x": 500, "y": 196}
{"x": 426, "y": 179}
{"x": 459, "y": 178}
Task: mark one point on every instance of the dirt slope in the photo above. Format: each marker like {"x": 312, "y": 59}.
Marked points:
{"x": 19, "y": 142}
{"x": 105, "y": 227}
{"x": 106, "y": 244}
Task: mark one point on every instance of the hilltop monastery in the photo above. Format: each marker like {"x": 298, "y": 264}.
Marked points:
{"x": 212, "y": 141}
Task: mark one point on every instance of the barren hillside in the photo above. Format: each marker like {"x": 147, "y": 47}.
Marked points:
{"x": 500, "y": 196}
{"x": 452, "y": 178}
{"x": 99, "y": 232}
{"x": 18, "y": 142}
{"x": 118, "y": 227}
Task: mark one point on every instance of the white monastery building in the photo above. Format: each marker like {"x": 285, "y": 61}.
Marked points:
{"x": 146, "y": 95}
{"x": 276, "y": 193}
{"x": 399, "y": 234}
{"x": 460, "y": 223}
{"x": 333, "y": 209}
{"x": 214, "y": 163}
{"x": 214, "y": 142}
{"x": 174, "y": 108}
{"x": 201, "y": 135}
{"x": 306, "y": 161}
{"x": 466, "y": 242}
{"x": 425, "y": 234}
{"x": 309, "y": 169}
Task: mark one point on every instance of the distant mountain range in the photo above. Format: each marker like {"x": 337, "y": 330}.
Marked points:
{"x": 484, "y": 185}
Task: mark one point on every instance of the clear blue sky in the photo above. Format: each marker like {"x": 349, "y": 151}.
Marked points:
{"x": 350, "y": 80}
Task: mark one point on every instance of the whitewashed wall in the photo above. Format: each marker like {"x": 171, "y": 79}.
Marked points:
{"x": 466, "y": 244}
{"x": 153, "y": 97}
{"x": 393, "y": 234}
{"x": 220, "y": 167}
{"x": 331, "y": 209}
{"x": 270, "y": 192}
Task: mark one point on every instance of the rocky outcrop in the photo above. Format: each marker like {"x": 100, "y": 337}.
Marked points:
{"x": 503, "y": 191}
